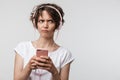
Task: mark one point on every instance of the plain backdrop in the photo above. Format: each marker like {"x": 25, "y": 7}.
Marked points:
{"x": 91, "y": 32}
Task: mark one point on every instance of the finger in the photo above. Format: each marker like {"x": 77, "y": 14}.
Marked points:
{"x": 33, "y": 64}
{"x": 32, "y": 61}
{"x": 42, "y": 60}
{"x": 47, "y": 68}
{"x": 47, "y": 58}
{"x": 40, "y": 64}
{"x": 34, "y": 57}
{"x": 33, "y": 67}
{"x": 44, "y": 57}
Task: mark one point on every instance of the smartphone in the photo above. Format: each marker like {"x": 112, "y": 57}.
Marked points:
{"x": 40, "y": 52}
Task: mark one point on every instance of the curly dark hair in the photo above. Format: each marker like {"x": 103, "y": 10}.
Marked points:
{"x": 53, "y": 10}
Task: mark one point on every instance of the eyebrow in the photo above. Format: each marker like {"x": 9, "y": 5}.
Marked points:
{"x": 47, "y": 19}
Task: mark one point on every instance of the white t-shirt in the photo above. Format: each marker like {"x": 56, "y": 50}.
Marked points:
{"x": 60, "y": 58}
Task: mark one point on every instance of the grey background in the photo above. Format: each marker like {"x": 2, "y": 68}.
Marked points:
{"x": 91, "y": 32}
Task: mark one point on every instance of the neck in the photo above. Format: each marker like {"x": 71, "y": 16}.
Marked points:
{"x": 45, "y": 43}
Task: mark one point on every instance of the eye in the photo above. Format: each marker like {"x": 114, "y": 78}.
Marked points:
{"x": 50, "y": 21}
{"x": 41, "y": 21}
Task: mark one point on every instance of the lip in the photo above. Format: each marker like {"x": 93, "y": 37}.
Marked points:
{"x": 44, "y": 30}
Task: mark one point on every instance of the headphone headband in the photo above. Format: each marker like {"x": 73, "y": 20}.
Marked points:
{"x": 52, "y": 7}
{"x": 60, "y": 25}
{"x": 55, "y": 10}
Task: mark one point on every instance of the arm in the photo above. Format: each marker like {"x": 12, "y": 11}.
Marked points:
{"x": 64, "y": 73}
{"x": 19, "y": 72}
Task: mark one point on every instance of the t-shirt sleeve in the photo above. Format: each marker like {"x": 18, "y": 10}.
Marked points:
{"x": 67, "y": 58}
{"x": 20, "y": 49}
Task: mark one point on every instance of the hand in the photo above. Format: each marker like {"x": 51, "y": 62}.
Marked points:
{"x": 32, "y": 63}
{"x": 44, "y": 62}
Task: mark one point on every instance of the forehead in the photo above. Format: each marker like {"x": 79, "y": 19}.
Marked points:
{"x": 45, "y": 15}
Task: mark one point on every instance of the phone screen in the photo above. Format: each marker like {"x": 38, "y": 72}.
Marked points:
{"x": 40, "y": 52}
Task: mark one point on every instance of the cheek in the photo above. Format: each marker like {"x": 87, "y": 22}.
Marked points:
{"x": 39, "y": 29}
{"x": 38, "y": 26}
{"x": 53, "y": 27}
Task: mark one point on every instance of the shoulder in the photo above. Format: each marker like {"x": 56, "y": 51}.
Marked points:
{"x": 66, "y": 56}
{"x": 22, "y": 47}
{"x": 23, "y": 43}
{"x": 64, "y": 50}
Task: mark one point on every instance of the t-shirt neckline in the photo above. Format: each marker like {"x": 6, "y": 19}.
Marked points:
{"x": 41, "y": 48}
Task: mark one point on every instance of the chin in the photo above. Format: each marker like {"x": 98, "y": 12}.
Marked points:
{"x": 46, "y": 36}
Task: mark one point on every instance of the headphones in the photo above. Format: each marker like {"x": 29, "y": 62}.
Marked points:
{"x": 52, "y": 7}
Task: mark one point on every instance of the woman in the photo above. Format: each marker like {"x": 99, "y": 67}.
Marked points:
{"x": 46, "y": 18}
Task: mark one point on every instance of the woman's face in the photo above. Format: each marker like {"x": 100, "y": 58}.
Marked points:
{"x": 46, "y": 25}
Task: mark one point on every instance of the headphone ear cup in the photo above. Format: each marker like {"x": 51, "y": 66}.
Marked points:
{"x": 60, "y": 25}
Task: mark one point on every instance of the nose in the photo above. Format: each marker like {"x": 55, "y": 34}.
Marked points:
{"x": 45, "y": 24}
